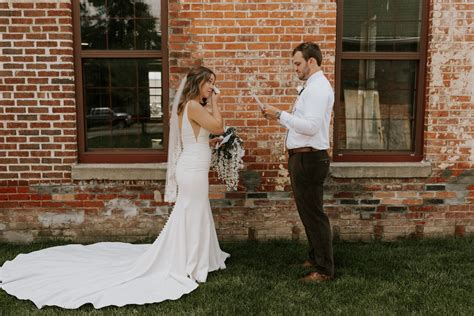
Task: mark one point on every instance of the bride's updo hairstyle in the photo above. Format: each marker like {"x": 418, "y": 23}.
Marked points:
{"x": 194, "y": 80}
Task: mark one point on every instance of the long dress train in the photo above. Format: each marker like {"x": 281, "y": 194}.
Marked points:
{"x": 113, "y": 273}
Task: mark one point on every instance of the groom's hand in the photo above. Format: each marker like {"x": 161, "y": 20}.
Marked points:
{"x": 270, "y": 111}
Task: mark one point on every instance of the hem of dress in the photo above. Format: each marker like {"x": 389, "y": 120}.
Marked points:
{"x": 97, "y": 306}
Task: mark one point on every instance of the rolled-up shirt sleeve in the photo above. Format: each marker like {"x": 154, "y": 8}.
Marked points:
{"x": 313, "y": 104}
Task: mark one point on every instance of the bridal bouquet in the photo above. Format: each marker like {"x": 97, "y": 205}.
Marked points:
{"x": 227, "y": 158}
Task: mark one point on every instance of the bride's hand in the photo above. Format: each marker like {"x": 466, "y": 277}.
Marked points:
{"x": 213, "y": 142}
{"x": 215, "y": 97}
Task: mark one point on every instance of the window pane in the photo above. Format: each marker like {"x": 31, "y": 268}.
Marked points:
{"x": 120, "y": 8}
{"x": 92, "y": 9}
{"x": 409, "y": 10}
{"x": 397, "y": 134}
{"x": 124, "y": 110}
{"x": 148, "y": 9}
{"x": 96, "y": 73}
{"x": 93, "y": 24}
{"x": 120, "y": 24}
{"x": 97, "y": 98}
{"x": 123, "y": 72}
{"x": 124, "y": 100}
{"x": 408, "y": 36}
{"x": 383, "y": 10}
{"x": 381, "y": 25}
{"x": 377, "y": 104}
{"x": 120, "y": 34}
{"x": 148, "y": 34}
{"x": 355, "y": 10}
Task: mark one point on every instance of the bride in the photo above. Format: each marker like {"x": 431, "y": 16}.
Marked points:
{"x": 113, "y": 273}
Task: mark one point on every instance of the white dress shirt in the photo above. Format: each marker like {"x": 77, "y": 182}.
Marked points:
{"x": 308, "y": 124}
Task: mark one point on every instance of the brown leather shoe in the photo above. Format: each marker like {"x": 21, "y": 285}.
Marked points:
{"x": 315, "y": 277}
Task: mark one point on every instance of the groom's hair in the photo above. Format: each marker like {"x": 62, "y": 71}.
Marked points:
{"x": 308, "y": 50}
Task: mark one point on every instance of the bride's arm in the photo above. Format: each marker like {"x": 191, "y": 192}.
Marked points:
{"x": 212, "y": 122}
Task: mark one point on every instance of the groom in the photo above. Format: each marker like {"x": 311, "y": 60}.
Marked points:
{"x": 307, "y": 142}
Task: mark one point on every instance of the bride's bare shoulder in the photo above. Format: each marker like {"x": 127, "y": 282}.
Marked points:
{"x": 193, "y": 104}
{"x": 195, "y": 107}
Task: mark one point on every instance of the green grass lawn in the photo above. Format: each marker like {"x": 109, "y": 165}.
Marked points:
{"x": 417, "y": 277}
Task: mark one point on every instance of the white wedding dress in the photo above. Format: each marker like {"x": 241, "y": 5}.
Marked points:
{"x": 113, "y": 273}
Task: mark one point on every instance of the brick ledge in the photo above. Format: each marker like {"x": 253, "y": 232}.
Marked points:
{"x": 157, "y": 171}
{"x": 380, "y": 169}
{"x": 136, "y": 171}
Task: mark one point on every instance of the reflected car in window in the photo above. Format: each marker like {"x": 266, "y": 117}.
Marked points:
{"x": 107, "y": 117}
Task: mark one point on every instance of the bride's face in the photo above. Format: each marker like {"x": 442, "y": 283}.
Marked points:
{"x": 206, "y": 88}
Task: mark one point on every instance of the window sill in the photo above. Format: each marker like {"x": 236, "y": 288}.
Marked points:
{"x": 380, "y": 169}
{"x": 157, "y": 171}
{"x": 135, "y": 171}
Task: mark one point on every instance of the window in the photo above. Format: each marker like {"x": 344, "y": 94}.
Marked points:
{"x": 380, "y": 80}
{"x": 122, "y": 80}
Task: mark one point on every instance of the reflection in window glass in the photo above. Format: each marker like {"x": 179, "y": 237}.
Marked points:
{"x": 120, "y": 24}
{"x": 124, "y": 107}
{"x": 120, "y": 34}
{"x": 377, "y": 104}
{"x": 148, "y": 34}
{"x": 381, "y": 25}
{"x": 96, "y": 74}
{"x": 355, "y": 10}
{"x": 120, "y": 8}
{"x": 382, "y": 10}
{"x": 147, "y": 9}
{"x": 155, "y": 95}
{"x": 93, "y": 9}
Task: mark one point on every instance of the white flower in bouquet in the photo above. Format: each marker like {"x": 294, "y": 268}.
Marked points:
{"x": 227, "y": 158}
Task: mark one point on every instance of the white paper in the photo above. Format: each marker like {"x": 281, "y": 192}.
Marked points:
{"x": 224, "y": 140}
{"x": 260, "y": 104}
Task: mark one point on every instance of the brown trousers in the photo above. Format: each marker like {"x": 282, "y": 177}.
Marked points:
{"x": 307, "y": 173}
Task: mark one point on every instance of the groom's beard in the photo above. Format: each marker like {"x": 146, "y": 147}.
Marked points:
{"x": 305, "y": 74}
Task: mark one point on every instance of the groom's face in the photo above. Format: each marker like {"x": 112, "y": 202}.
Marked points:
{"x": 301, "y": 66}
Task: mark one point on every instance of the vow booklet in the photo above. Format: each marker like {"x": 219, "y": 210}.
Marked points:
{"x": 224, "y": 140}
{"x": 260, "y": 104}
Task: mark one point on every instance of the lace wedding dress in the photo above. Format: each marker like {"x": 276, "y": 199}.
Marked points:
{"x": 113, "y": 273}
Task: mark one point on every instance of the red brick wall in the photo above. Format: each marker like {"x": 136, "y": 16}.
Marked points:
{"x": 449, "y": 109}
{"x": 37, "y": 113}
{"x": 249, "y": 45}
